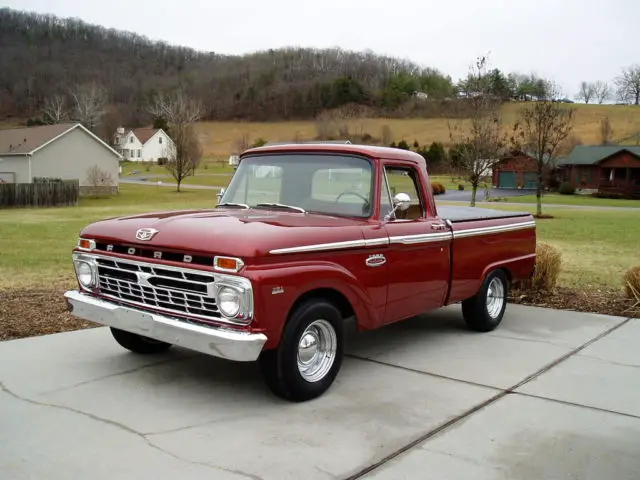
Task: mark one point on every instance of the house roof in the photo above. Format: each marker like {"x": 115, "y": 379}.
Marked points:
{"x": 24, "y": 140}
{"x": 27, "y": 140}
{"x": 144, "y": 133}
{"x": 592, "y": 154}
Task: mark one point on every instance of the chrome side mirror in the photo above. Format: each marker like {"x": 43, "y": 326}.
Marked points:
{"x": 220, "y": 194}
{"x": 401, "y": 201}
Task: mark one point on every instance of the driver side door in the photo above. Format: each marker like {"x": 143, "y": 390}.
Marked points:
{"x": 419, "y": 248}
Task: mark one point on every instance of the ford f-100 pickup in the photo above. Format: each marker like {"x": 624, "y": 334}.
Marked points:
{"x": 305, "y": 237}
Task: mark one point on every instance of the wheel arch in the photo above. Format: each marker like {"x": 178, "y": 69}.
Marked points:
{"x": 333, "y": 295}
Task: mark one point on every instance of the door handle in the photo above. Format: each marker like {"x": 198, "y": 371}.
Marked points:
{"x": 438, "y": 226}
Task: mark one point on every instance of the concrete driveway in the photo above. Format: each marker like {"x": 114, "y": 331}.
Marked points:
{"x": 548, "y": 395}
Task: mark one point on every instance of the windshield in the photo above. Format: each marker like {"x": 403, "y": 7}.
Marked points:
{"x": 319, "y": 183}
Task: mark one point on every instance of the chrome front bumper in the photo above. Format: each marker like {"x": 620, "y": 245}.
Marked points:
{"x": 227, "y": 344}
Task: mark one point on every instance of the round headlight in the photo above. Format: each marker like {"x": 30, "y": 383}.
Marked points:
{"x": 229, "y": 301}
{"x": 84, "y": 273}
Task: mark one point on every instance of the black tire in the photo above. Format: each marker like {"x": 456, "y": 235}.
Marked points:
{"x": 478, "y": 315}
{"x": 280, "y": 366}
{"x": 137, "y": 343}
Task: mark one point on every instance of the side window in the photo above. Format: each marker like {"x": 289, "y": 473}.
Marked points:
{"x": 404, "y": 180}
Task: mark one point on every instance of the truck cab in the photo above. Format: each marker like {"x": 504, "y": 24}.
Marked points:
{"x": 304, "y": 238}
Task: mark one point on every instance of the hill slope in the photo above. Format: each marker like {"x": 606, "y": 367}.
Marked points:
{"x": 56, "y": 54}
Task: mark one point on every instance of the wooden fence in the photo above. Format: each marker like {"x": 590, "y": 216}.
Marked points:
{"x": 45, "y": 194}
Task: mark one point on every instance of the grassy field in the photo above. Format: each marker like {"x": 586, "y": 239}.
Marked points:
{"x": 586, "y": 200}
{"x": 35, "y": 244}
{"x": 219, "y": 138}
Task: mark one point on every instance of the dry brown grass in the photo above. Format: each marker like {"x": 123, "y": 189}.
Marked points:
{"x": 548, "y": 269}
{"x": 219, "y": 138}
{"x": 631, "y": 280}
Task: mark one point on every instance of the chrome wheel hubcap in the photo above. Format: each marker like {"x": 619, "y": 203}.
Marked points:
{"x": 317, "y": 350}
{"x": 495, "y": 297}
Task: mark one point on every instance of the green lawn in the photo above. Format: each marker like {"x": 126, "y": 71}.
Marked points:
{"x": 35, "y": 244}
{"x": 557, "y": 199}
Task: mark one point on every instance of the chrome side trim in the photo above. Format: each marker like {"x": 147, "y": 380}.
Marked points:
{"x": 374, "y": 242}
{"x": 471, "y": 232}
{"x": 404, "y": 239}
{"x": 421, "y": 238}
{"x": 222, "y": 343}
{"x": 319, "y": 247}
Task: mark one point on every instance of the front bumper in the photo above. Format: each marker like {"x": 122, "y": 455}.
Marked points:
{"x": 227, "y": 344}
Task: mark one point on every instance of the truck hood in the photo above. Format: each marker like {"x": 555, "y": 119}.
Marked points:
{"x": 240, "y": 233}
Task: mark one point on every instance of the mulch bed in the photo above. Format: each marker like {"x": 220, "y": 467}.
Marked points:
{"x": 41, "y": 311}
{"x": 604, "y": 301}
{"x": 36, "y": 311}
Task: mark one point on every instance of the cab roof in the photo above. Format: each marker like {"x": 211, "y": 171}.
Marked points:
{"x": 371, "y": 151}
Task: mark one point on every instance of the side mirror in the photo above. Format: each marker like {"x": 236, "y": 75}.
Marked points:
{"x": 401, "y": 201}
{"x": 220, "y": 194}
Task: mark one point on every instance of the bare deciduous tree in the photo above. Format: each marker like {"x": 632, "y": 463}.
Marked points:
{"x": 587, "y": 92}
{"x": 602, "y": 91}
{"x": 628, "y": 85}
{"x": 89, "y": 104}
{"x": 54, "y": 109}
{"x": 180, "y": 112}
{"x": 481, "y": 142}
{"x": 542, "y": 127}
{"x": 99, "y": 180}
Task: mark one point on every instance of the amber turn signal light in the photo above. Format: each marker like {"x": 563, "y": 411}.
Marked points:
{"x": 85, "y": 244}
{"x": 227, "y": 264}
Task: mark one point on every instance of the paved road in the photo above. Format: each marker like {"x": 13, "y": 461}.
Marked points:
{"x": 549, "y": 395}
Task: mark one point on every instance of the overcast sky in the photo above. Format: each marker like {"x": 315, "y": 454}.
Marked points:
{"x": 567, "y": 40}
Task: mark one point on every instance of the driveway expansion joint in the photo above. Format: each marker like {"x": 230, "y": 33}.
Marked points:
{"x": 503, "y": 393}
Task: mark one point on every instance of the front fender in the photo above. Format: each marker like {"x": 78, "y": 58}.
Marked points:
{"x": 278, "y": 287}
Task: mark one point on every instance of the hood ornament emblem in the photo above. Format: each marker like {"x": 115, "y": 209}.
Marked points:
{"x": 145, "y": 234}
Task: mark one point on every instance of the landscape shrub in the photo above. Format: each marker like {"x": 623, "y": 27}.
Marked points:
{"x": 460, "y": 187}
{"x": 631, "y": 280}
{"x": 566, "y": 189}
{"x": 437, "y": 188}
{"x": 548, "y": 267}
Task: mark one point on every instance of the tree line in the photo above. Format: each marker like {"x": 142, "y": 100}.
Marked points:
{"x": 45, "y": 61}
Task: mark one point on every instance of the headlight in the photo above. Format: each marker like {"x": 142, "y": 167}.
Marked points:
{"x": 229, "y": 301}
{"x": 234, "y": 298}
{"x": 85, "y": 273}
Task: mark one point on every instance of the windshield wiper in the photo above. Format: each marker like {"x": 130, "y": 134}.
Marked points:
{"x": 231, "y": 204}
{"x": 281, "y": 205}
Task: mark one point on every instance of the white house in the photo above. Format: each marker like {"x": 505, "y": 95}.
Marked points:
{"x": 143, "y": 144}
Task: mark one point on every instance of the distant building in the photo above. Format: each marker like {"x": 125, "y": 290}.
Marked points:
{"x": 143, "y": 144}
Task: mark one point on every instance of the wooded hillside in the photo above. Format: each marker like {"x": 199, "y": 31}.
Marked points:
{"x": 44, "y": 56}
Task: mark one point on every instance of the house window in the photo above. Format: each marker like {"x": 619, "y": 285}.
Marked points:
{"x": 138, "y": 153}
{"x": 131, "y": 139}
{"x": 159, "y": 139}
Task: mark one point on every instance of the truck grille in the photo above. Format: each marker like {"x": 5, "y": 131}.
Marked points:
{"x": 177, "y": 290}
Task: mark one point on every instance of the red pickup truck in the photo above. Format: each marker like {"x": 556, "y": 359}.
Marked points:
{"x": 305, "y": 237}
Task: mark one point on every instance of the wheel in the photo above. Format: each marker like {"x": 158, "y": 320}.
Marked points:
{"x": 309, "y": 355}
{"x": 484, "y": 311}
{"x": 137, "y": 343}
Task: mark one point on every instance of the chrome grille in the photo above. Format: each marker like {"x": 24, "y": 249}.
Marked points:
{"x": 176, "y": 290}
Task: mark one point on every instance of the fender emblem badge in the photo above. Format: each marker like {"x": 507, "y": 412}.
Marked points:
{"x": 375, "y": 260}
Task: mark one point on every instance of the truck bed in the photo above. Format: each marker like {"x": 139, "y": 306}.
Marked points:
{"x": 467, "y": 214}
